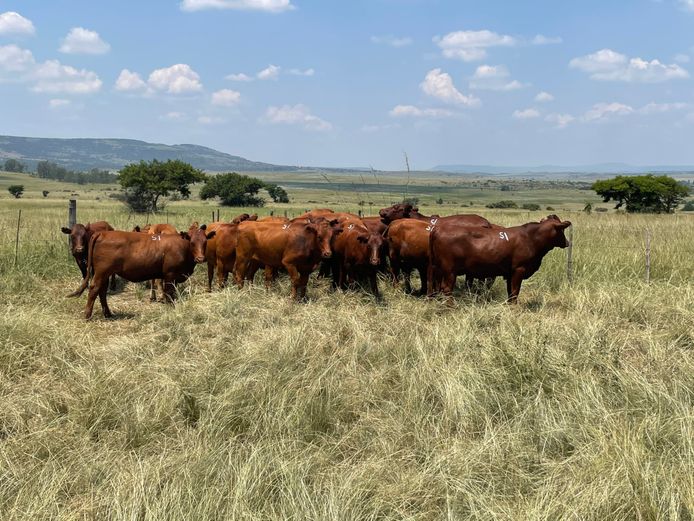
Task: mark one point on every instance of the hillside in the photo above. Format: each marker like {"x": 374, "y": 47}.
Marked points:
{"x": 84, "y": 154}
{"x": 553, "y": 170}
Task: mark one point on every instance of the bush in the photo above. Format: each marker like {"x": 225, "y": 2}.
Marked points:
{"x": 16, "y": 190}
{"x": 688, "y": 206}
{"x": 439, "y": 200}
{"x": 414, "y": 201}
{"x": 503, "y": 204}
{"x": 45, "y": 193}
{"x": 531, "y": 206}
{"x": 550, "y": 209}
{"x": 505, "y": 188}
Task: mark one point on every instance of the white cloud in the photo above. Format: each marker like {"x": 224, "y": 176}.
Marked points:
{"x": 58, "y": 103}
{"x": 177, "y": 79}
{"x": 438, "y": 84}
{"x": 130, "y": 81}
{"x": 493, "y": 77}
{"x": 270, "y": 6}
{"x": 541, "y": 39}
{"x": 226, "y": 97}
{"x": 560, "y": 120}
{"x": 687, "y": 5}
{"x": 271, "y": 72}
{"x": 12, "y": 22}
{"x": 682, "y": 58}
{"x": 544, "y": 97}
{"x": 392, "y": 41}
{"x": 608, "y": 65}
{"x": 471, "y": 45}
{"x": 299, "y": 72}
{"x": 603, "y": 111}
{"x": 238, "y": 77}
{"x": 50, "y": 76}
{"x": 174, "y": 116}
{"x": 83, "y": 41}
{"x": 526, "y": 114}
{"x": 661, "y": 108}
{"x": 296, "y": 115}
{"x": 15, "y": 59}
{"x": 400, "y": 111}
{"x": 211, "y": 120}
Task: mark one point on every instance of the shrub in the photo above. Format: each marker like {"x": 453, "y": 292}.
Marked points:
{"x": 550, "y": 209}
{"x": 688, "y": 206}
{"x": 503, "y": 204}
{"x": 533, "y": 207}
{"x": 16, "y": 190}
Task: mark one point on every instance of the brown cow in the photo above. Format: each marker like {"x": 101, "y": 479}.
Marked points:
{"x": 408, "y": 249}
{"x": 513, "y": 253}
{"x": 402, "y": 211}
{"x": 356, "y": 253}
{"x": 79, "y": 242}
{"x": 157, "y": 229}
{"x": 139, "y": 257}
{"x": 297, "y": 246}
{"x": 211, "y": 253}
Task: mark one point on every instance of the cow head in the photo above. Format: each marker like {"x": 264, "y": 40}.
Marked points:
{"x": 374, "y": 244}
{"x": 553, "y": 228}
{"x": 323, "y": 229}
{"x": 79, "y": 238}
{"x": 198, "y": 237}
{"x": 395, "y": 212}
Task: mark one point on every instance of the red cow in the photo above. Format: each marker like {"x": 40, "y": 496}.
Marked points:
{"x": 298, "y": 246}
{"x": 79, "y": 242}
{"x": 356, "y": 253}
{"x": 157, "y": 229}
{"x": 138, "y": 257}
{"x": 513, "y": 253}
{"x": 212, "y": 245}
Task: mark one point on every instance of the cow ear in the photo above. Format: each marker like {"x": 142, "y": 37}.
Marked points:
{"x": 362, "y": 239}
{"x": 563, "y": 225}
{"x": 253, "y": 217}
{"x": 312, "y": 228}
{"x": 210, "y": 235}
{"x": 334, "y": 222}
{"x": 66, "y": 231}
{"x": 184, "y": 235}
{"x": 203, "y": 227}
{"x": 137, "y": 229}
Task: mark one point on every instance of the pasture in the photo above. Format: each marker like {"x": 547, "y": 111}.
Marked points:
{"x": 576, "y": 404}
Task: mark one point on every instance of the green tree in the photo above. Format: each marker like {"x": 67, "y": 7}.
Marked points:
{"x": 45, "y": 193}
{"x": 503, "y": 204}
{"x": 16, "y": 190}
{"x": 233, "y": 189}
{"x": 688, "y": 207}
{"x": 533, "y": 207}
{"x": 278, "y": 194}
{"x": 146, "y": 182}
{"x": 643, "y": 193}
{"x": 12, "y": 165}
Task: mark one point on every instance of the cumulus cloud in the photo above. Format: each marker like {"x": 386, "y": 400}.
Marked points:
{"x": 526, "y": 114}
{"x": 472, "y": 45}
{"x": 560, "y": 120}
{"x": 410, "y": 111}
{"x": 83, "y": 41}
{"x": 687, "y": 5}
{"x": 608, "y": 65}
{"x": 541, "y": 39}
{"x": 544, "y": 97}
{"x": 226, "y": 97}
{"x": 270, "y": 6}
{"x": 662, "y": 108}
{"x": 603, "y": 111}
{"x": 493, "y": 77}
{"x": 299, "y": 72}
{"x": 51, "y": 76}
{"x": 391, "y": 40}
{"x": 177, "y": 79}
{"x": 271, "y": 72}
{"x": 58, "y": 103}
{"x": 12, "y": 22}
{"x": 439, "y": 85}
{"x": 296, "y": 115}
{"x": 238, "y": 77}
{"x": 130, "y": 81}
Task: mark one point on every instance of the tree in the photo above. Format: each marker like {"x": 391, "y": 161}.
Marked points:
{"x": 533, "y": 207}
{"x": 12, "y": 165}
{"x": 503, "y": 204}
{"x": 233, "y": 189}
{"x": 45, "y": 193}
{"x": 146, "y": 182}
{"x": 16, "y": 190}
{"x": 643, "y": 193}
{"x": 688, "y": 207}
{"x": 278, "y": 194}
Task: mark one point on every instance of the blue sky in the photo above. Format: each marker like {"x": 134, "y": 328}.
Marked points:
{"x": 335, "y": 83}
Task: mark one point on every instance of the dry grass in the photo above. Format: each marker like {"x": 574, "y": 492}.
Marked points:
{"x": 577, "y": 404}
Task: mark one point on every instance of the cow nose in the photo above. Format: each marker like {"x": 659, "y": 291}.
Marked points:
{"x": 374, "y": 262}
{"x": 79, "y": 250}
{"x": 199, "y": 260}
{"x": 327, "y": 254}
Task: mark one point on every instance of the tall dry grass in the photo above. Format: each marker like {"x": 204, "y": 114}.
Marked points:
{"x": 577, "y": 404}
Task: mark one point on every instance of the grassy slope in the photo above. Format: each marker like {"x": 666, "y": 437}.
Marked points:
{"x": 577, "y": 404}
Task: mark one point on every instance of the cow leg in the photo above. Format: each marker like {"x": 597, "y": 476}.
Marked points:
{"x": 295, "y": 277}
{"x": 448, "y": 283}
{"x": 113, "y": 283}
{"x": 423, "y": 278}
{"x": 301, "y": 289}
{"x": 210, "y": 274}
{"x": 240, "y": 271}
{"x": 82, "y": 265}
{"x": 152, "y": 291}
{"x": 94, "y": 291}
{"x": 406, "y": 274}
{"x": 395, "y": 270}
{"x": 269, "y": 277}
{"x": 373, "y": 280}
{"x": 103, "y": 291}
{"x": 513, "y": 286}
{"x": 168, "y": 289}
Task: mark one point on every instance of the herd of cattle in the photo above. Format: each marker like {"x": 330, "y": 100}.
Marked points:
{"x": 343, "y": 245}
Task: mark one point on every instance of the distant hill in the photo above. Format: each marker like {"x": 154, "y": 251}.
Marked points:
{"x": 604, "y": 168}
{"x": 85, "y": 154}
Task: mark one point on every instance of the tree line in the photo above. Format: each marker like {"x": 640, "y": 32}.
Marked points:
{"x": 55, "y": 172}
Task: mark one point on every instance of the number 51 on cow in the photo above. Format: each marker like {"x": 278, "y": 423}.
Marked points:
{"x": 503, "y": 236}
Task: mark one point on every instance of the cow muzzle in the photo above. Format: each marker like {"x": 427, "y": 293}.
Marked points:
{"x": 79, "y": 250}
{"x": 375, "y": 261}
{"x": 327, "y": 254}
{"x": 199, "y": 260}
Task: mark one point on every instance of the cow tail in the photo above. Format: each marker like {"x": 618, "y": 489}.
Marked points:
{"x": 90, "y": 267}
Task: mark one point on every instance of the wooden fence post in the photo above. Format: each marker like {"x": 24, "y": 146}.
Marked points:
{"x": 16, "y": 240}
{"x": 212, "y": 215}
{"x": 217, "y": 215}
{"x": 570, "y": 256}
{"x": 648, "y": 256}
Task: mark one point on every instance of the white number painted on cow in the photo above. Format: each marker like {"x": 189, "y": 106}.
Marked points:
{"x": 156, "y": 237}
{"x": 503, "y": 236}
{"x": 285, "y": 226}
{"x": 432, "y": 224}
{"x": 350, "y": 227}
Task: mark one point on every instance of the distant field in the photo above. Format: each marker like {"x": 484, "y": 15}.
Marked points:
{"x": 576, "y": 404}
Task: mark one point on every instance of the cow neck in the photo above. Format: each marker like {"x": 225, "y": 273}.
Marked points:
{"x": 533, "y": 231}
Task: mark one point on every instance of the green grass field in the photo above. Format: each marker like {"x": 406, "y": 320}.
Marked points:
{"x": 576, "y": 404}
